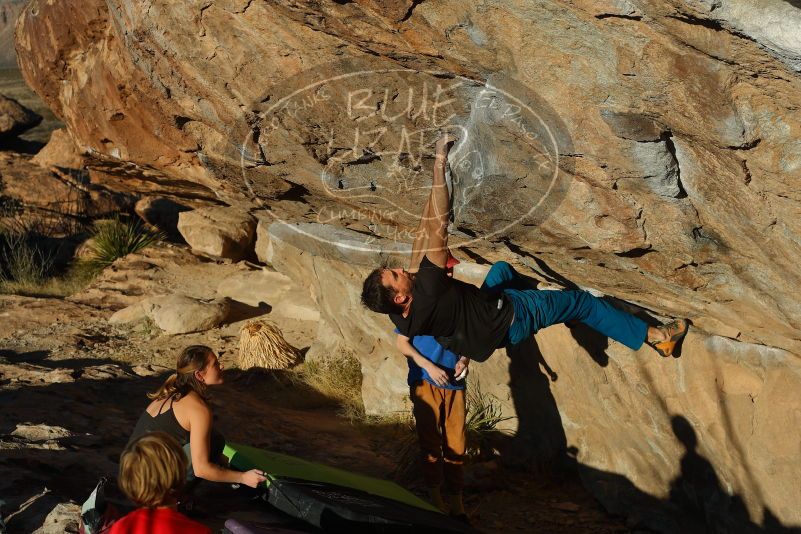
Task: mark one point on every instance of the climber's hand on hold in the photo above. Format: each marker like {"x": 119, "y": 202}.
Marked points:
{"x": 444, "y": 143}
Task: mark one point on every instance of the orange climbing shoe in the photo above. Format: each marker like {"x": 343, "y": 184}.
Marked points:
{"x": 674, "y": 332}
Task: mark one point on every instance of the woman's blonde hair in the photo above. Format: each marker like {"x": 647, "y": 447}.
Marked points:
{"x": 153, "y": 470}
{"x": 179, "y": 384}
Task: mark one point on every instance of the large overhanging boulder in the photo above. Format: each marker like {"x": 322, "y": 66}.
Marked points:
{"x": 669, "y": 126}
{"x": 718, "y": 422}
{"x": 647, "y": 149}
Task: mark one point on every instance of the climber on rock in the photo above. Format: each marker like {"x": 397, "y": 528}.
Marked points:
{"x": 473, "y": 322}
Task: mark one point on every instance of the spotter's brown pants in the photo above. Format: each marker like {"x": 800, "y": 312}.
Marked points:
{"x": 439, "y": 416}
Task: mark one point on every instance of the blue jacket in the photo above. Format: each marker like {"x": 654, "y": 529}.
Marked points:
{"x": 428, "y": 347}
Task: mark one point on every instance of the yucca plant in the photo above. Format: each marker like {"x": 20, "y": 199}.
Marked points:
{"x": 113, "y": 239}
{"x": 484, "y": 414}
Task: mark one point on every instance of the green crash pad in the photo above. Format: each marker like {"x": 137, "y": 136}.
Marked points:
{"x": 278, "y": 465}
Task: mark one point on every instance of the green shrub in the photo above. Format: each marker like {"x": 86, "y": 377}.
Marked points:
{"x": 113, "y": 239}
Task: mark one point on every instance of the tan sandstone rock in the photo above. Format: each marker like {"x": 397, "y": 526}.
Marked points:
{"x": 161, "y": 213}
{"x": 15, "y": 118}
{"x": 177, "y": 314}
{"x": 262, "y": 246}
{"x": 255, "y": 287}
{"x": 130, "y": 314}
{"x": 221, "y": 232}
{"x": 619, "y": 410}
{"x": 673, "y": 128}
{"x": 39, "y": 432}
{"x": 345, "y": 325}
{"x": 64, "y": 517}
{"x": 53, "y": 198}
{"x": 59, "y": 151}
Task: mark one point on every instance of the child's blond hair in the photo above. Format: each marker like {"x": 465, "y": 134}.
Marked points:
{"x": 153, "y": 470}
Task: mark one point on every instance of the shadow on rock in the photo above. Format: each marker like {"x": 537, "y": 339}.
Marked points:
{"x": 699, "y": 493}
{"x": 162, "y": 213}
{"x": 592, "y": 341}
{"x": 697, "y": 501}
{"x": 540, "y": 439}
{"x": 239, "y": 311}
{"x": 23, "y": 146}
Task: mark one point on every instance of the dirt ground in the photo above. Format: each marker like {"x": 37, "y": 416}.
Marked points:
{"x": 72, "y": 387}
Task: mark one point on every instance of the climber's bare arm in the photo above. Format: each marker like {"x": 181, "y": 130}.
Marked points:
{"x": 435, "y": 217}
{"x": 420, "y": 243}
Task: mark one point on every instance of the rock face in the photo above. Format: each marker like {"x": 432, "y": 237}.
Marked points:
{"x": 257, "y": 287}
{"x": 332, "y": 263}
{"x": 671, "y": 119}
{"x": 60, "y": 151}
{"x": 774, "y": 24}
{"x": 646, "y": 149}
{"x": 63, "y": 518}
{"x": 220, "y": 231}
{"x": 175, "y": 314}
{"x": 652, "y": 436}
{"x": 713, "y": 426}
{"x": 53, "y": 197}
{"x": 161, "y": 213}
{"x": 15, "y": 118}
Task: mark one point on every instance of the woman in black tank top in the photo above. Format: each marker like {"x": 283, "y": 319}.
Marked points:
{"x": 180, "y": 408}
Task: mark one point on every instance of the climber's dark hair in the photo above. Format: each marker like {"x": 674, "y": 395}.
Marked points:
{"x": 376, "y": 296}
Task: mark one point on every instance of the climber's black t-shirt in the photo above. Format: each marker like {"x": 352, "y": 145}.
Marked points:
{"x": 463, "y": 319}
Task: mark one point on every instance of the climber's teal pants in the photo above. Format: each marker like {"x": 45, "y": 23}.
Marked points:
{"x": 535, "y": 309}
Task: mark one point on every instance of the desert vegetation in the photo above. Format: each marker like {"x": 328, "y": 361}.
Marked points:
{"x": 41, "y": 260}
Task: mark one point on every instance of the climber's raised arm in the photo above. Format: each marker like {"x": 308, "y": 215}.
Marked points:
{"x": 420, "y": 244}
{"x": 433, "y": 239}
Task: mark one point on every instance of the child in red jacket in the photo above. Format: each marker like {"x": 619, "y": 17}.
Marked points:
{"x": 152, "y": 473}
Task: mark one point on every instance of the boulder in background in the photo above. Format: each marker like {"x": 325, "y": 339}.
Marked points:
{"x": 15, "y": 118}
{"x": 221, "y": 232}
{"x": 177, "y": 314}
{"x": 60, "y": 151}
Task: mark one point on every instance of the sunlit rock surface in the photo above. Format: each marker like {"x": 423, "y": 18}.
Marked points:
{"x": 648, "y": 150}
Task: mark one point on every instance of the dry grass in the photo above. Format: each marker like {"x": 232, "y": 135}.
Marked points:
{"x": 28, "y": 267}
{"x": 28, "y": 252}
{"x": 261, "y": 344}
{"x": 484, "y": 414}
{"x": 338, "y": 379}
{"x": 23, "y": 261}
{"x": 77, "y": 277}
